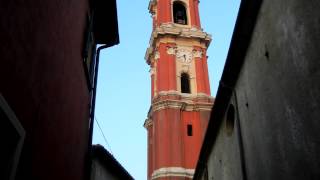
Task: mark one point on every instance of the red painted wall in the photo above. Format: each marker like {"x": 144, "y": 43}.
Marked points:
{"x": 206, "y": 74}
{"x": 203, "y": 84}
{"x": 150, "y": 150}
{"x": 164, "y": 12}
{"x": 43, "y": 80}
{"x": 172, "y": 146}
{"x": 166, "y": 69}
{"x": 194, "y": 10}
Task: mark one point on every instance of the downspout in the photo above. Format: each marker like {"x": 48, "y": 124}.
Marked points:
{"x": 95, "y": 6}
{"x": 92, "y": 108}
{"x": 94, "y": 93}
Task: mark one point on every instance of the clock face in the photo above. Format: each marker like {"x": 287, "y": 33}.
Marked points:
{"x": 184, "y": 55}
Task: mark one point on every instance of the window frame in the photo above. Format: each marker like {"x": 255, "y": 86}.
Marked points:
{"x": 186, "y": 7}
{"x": 188, "y": 80}
{"x": 189, "y": 130}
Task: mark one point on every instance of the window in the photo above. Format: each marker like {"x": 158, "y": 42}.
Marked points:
{"x": 189, "y": 130}
{"x": 185, "y": 83}
{"x": 179, "y": 13}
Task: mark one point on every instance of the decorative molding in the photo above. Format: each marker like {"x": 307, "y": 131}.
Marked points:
{"x": 151, "y": 4}
{"x": 171, "y": 50}
{"x": 173, "y": 172}
{"x": 197, "y": 54}
{"x": 183, "y": 101}
{"x": 185, "y": 1}
{"x": 156, "y": 55}
{"x": 171, "y": 29}
{"x": 152, "y": 71}
{"x": 183, "y": 95}
{"x": 183, "y": 105}
{"x": 185, "y": 68}
{"x": 148, "y": 53}
{"x": 186, "y": 32}
{"x": 148, "y": 122}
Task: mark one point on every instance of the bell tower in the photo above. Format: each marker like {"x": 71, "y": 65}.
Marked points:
{"x": 180, "y": 92}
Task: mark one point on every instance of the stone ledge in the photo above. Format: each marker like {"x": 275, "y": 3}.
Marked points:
{"x": 172, "y": 29}
{"x": 173, "y": 172}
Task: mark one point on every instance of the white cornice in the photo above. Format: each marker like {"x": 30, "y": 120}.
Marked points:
{"x": 183, "y": 95}
{"x": 172, "y": 172}
{"x": 151, "y": 3}
{"x": 147, "y": 123}
{"x": 172, "y": 29}
{"x": 177, "y": 100}
{"x": 185, "y": 102}
{"x": 183, "y": 105}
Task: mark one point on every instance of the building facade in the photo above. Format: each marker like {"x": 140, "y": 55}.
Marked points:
{"x": 265, "y": 120}
{"x": 47, "y": 82}
{"x": 105, "y": 166}
{"x": 180, "y": 90}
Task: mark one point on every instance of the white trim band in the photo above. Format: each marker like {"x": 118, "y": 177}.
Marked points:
{"x": 173, "y": 171}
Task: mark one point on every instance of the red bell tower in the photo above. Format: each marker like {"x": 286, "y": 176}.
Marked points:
{"x": 180, "y": 90}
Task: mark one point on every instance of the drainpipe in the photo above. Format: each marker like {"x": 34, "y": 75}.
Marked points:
{"x": 94, "y": 93}
{"x": 92, "y": 107}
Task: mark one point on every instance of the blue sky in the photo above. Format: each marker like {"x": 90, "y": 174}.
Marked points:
{"x": 123, "y": 95}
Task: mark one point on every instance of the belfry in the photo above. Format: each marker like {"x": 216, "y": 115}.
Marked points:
{"x": 180, "y": 92}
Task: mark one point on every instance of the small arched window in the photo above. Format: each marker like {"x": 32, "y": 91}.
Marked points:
{"x": 179, "y": 13}
{"x": 185, "y": 83}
